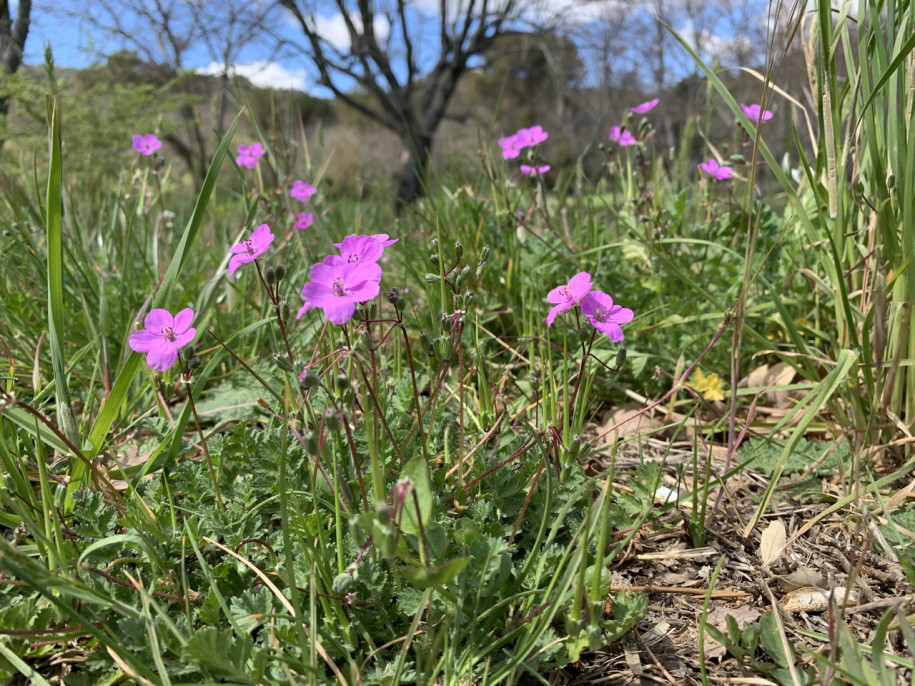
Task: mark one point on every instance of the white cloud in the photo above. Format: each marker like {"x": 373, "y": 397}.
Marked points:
{"x": 333, "y": 29}
{"x": 264, "y": 74}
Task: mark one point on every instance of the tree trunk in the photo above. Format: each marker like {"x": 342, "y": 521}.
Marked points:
{"x": 413, "y": 171}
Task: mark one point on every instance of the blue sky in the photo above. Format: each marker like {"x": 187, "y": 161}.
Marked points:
{"x": 76, "y": 43}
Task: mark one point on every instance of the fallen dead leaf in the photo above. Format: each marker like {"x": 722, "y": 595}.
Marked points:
{"x": 808, "y": 599}
{"x": 801, "y": 577}
{"x": 772, "y": 542}
{"x": 638, "y": 426}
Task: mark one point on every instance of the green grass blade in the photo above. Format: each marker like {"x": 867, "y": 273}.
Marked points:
{"x": 53, "y": 211}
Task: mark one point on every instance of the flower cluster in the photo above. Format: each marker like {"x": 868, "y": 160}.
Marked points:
{"x": 524, "y": 138}
{"x": 597, "y": 306}
{"x": 622, "y": 136}
{"x": 715, "y": 170}
{"x": 248, "y": 155}
{"x": 302, "y": 192}
{"x": 339, "y": 282}
{"x": 146, "y": 145}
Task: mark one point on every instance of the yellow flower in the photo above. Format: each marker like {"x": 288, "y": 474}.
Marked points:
{"x": 709, "y": 386}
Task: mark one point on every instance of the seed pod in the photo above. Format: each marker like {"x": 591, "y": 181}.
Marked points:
{"x": 332, "y": 420}
{"x": 309, "y": 379}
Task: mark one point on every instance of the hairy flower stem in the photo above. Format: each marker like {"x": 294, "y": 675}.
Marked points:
{"x": 275, "y": 301}
{"x": 422, "y": 434}
{"x": 203, "y": 440}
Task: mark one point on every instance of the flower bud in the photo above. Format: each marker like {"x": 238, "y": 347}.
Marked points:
{"x": 343, "y": 583}
{"x": 392, "y": 295}
{"x": 193, "y": 363}
{"x": 584, "y": 334}
{"x": 309, "y": 379}
{"x": 332, "y": 420}
{"x": 458, "y": 249}
{"x": 364, "y": 342}
{"x": 620, "y": 357}
{"x": 433, "y": 278}
{"x": 535, "y": 382}
{"x": 425, "y": 340}
{"x": 468, "y": 299}
{"x": 433, "y": 259}
{"x": 187, "y": 353}
{"x": 484, "y": 253}
{"x": 284, "y": 311}
{"x": 341, "y": 381}
{"x": 443, "y": 348}
{"x": 434, "y": 244}
{"x": 270, "y": 276}
{"x": 310, "y": 440}
{"x": 372, "y": 310}
{"x": 279, "y": 272}
{"x": 400, "y": 304}
{"x": 357, "y": 532}
{"x": 481, "y": 268}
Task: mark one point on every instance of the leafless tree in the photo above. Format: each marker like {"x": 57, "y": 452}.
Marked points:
{"x": 164, "y": 32}
{"x": 13, "y": 33}
{"x": 389, "y": 56}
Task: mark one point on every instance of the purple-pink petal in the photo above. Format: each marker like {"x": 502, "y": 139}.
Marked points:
{"x": 162, "y": 357}
{"x": 144, "y": 340}
{"x": 183, "y": 320}
{"x": 158, "y": 318}
{"x": 340, "y": 311}
{"x": 644, "y": 107}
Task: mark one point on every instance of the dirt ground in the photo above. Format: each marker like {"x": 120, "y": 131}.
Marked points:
{"x": 823, "y": 550}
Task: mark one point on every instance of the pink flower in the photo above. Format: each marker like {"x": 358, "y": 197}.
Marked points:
{"x": 302, "y": 191}
{"x": 536, "y": 170}
{"x": 755, "y": 113}
{"x": 251, "y": 249}
{"x": 525, "y": 138}
{"x": 146, "y": 145}
{"x": 568, "y": 296}
{"x": 623, "y": 137}
{"x": 511, "y": 147}
{"x": 604, "y": 315}
{"x": 719, "y": 172}
{"x": 336, "y": 288}
{"x": 535, "y": 135}
{"x": 644, "y": 107}
{"x": 248, "y": 155}
{"x": 360, "y": 249}
{"x": 303, "y": 220}
{"x": 163, "y": 336}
